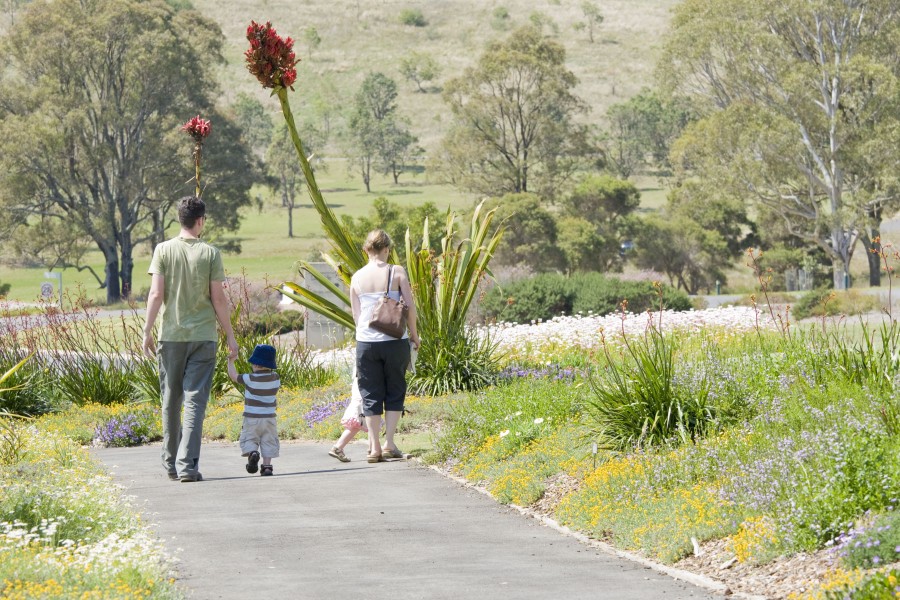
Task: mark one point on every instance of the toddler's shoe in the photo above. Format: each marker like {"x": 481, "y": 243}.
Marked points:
{"x": 253, "y": 462}
{"x": 266, "y": 471}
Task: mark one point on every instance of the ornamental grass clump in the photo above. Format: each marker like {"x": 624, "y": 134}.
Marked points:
{"x": 25, "y": 388}
{"x": 642, "y": 399}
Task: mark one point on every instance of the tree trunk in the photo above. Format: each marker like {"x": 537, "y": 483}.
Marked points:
{"x": 366, "y": 175}
{"x": 111, "y": 272}
{"x": 126, "y": 274}
{"x": 290, "y": 208}
{"x": 873, "y": 249}
{"x": 158, "y": 235}
{"x": 841, "y": 273}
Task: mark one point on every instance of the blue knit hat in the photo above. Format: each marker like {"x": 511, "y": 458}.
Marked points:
{"x": 263, "y": 356}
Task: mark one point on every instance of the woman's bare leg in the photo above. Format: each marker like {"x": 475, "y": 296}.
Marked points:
{"x": 391, "y": 420}
{"x": 374, "y": 425}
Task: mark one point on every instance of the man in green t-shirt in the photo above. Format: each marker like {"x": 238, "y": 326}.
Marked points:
{"x": 187, "y": 284}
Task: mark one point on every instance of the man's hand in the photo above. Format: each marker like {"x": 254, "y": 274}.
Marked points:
{"x": 232, "y": 347}
{"x": 149, "y": 345}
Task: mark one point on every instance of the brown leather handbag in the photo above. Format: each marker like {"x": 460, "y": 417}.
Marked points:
{"x": 389, "y": 315}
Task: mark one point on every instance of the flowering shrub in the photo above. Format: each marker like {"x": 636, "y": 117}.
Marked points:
{"x": 875, "y": 543}
{"x": 65, "y": 530}
{"x": 124, "y": 431}
{"x": 883, "y": 585}
{"x": 321, "y": 412}
{"x": 506, "y": 418}
{"x": 550, "y": 371}
{"x": 754, "y": 539}
{"x": 81, "y": 424}
{"x": 638, "y": 503}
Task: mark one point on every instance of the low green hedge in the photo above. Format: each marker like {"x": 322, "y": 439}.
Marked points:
{"x": 549, "y": 295}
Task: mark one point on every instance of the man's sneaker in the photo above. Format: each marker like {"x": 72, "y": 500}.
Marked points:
{"x": 253, "y": 462}
{"x": 173, "y": 476}
{"x": 266, "y": 470}
{"x": 191, "y": 477}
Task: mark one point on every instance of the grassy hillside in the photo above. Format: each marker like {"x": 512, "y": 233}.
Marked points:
{"x": 359, "y": 36}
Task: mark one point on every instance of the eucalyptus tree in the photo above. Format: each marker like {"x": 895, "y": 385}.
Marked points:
{"x": 91, "y": 98}
{"x": 420, "y": 67}
{"x": 378, "y": 139}
{"x": 514, "y": 127}
{"x": 802, "y": 111}
{"x": 281, "y": 163}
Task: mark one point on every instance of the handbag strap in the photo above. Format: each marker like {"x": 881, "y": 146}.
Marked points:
{"x": 390, "y": 278}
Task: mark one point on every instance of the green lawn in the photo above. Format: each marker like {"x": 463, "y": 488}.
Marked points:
{"x": 266, "y": 250}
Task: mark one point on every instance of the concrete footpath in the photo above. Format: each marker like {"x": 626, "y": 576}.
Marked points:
{"x": 321, "y": 529}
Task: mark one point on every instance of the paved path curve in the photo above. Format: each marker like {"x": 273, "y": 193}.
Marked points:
{"x": 321, "y": 529}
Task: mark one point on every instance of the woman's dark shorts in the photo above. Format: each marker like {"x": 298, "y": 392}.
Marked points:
{"x": 381, "y": 374}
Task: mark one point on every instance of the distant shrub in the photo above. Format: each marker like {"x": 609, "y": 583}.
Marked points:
{"x": 412, "y": 17}
{"x": 549, "y": 295}
{"x": 602, "y": 295}
{"x": 276, "y": 323}
{"x": 500, "y": 18}
{"x": 820, "y": 302}
{"x": 4, "y": 289}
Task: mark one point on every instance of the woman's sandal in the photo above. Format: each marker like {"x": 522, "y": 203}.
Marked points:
{"x": 395, "y": 453}
{"x": 374, "y": 458}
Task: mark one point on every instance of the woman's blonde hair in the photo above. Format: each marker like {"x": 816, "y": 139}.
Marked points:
{"x": 376, "y": 241}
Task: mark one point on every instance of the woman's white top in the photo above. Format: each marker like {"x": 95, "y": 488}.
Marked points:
{"x": 367, "y": 303}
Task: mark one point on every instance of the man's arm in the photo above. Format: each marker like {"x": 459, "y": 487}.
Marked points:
{"x": 154, "y": 303}
{"x": 223, "y": 315}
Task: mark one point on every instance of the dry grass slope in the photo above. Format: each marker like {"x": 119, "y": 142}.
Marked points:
{"x": 359, "y": 36}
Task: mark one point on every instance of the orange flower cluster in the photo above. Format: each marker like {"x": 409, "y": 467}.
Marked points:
{"x": 271, "y": 58}
{"x": 197, "y": 128}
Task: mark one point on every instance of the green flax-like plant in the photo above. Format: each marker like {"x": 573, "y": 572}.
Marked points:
{"x": 444, "y": 287}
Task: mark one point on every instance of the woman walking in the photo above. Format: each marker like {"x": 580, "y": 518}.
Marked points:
{"x": 381, "y": 360}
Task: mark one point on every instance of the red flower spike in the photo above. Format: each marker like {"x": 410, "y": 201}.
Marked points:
{"x": 271, "y": 58}
{"x": 197, "y": 128}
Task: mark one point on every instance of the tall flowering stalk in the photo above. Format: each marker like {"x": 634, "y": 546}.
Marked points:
{"x": 444, "y": 286}
{"x": 198, "y": 129}
{"x": 271, "y": 59}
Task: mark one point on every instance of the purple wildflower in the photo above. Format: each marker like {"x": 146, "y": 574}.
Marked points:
{"x": 319, "y": 413}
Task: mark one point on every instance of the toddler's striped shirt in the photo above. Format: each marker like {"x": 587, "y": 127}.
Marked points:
{"x": 260, "y": 388}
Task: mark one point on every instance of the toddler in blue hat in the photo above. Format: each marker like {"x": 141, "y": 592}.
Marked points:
{"x": 259, "y": 435}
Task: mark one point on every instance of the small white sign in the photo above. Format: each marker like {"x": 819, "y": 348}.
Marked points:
{"x": 46, "y": 290}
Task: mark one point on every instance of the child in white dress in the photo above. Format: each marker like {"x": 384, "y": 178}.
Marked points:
{"x": 353, "y": 423}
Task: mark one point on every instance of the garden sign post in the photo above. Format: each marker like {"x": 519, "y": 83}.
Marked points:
{"x": 58, "y": 278}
